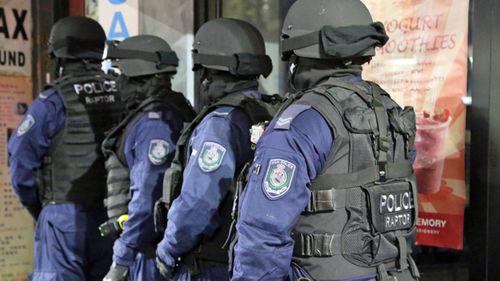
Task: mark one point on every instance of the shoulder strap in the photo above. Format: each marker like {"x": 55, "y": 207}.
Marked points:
{"x": 330, "y": 109}
{"x": 350, "y": 86}
{"x": 381, "y": 135}
{"x": 112, "y": 136}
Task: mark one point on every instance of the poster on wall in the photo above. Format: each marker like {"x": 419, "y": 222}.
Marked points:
{"x": 424, "y": 65}
{"x": 16, "y": 225}
{"x": 119, "y": 18}
{"x": 15, "y": 37}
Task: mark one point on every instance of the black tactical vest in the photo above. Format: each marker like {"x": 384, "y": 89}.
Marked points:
{"x": 118, "y": 179}
{"x": 73, "y": 170}
{"x": 361, "y": 217}
{"x": 211, "y": 249}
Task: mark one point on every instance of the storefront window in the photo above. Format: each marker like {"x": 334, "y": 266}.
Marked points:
{"x": 173, "y": 21}
{"x": 265, "y": 15}
{"x": 424, "y": 65}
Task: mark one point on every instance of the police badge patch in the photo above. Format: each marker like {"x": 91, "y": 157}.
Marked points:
{"x": 26, "y": 125}
{"x": 211, "y": 156}
{"x": 278, "y": 178}
{"x": 158, "y": 151}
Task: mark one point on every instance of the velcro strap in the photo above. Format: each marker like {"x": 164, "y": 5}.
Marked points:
{"x": 299, "y": 42}
{"x": 368, "y": 175}
{"x": 326, "y": 200}
{"x": 119, "y": 187}
{"x": 238, "y": 64}
{"x": 382, "y": 273}
{"x": 403, "y": 252}
{"x": 167, "y": 58}
{"x": 76, "y": 46}
{"x": 316, "y": 245}
{"x": 227, "y": 61}
{"x": 119, "y": 176}
{"x": 162, "y": 58}
{"x": 117, "y": 200}
{"x": 383, "y": 143}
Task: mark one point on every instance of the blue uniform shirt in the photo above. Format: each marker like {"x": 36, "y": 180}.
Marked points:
{"x": 219, "y": 145}
{"x": 265, "y": 247}
{"x": 29, "y": 144}
{"x": 149, "y": 149}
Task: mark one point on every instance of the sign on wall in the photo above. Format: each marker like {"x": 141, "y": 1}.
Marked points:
{"x": 119, "y": 18}
{"x": 15, "y": 37}
{"x": 16, "y": 225}
{"x": 424, "y": 65}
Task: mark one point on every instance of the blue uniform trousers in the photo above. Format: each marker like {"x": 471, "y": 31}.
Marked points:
{"x": 68, "y": 245}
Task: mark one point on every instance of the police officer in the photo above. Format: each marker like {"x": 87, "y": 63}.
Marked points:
{"x": 139, "y": 150}
{"x": 331, "y": 193}
{"x": 230, "y": 56}
{"x": 57, "y": 169}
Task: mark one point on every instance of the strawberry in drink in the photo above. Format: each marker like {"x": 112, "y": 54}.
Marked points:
{"x": 430, "y": 143}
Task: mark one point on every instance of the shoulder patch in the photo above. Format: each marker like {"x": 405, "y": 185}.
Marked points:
{"x": 26, "y": 125}
{"x": 154, "y": 115}
{"x": 278, "y": 178}
{"x": 158, "y": 151}
{"x": 211, "y": 156}
{"x": 285, "y": 119}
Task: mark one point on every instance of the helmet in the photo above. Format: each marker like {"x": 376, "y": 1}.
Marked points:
{"x": 76, "y": 38}
{"x": 142, "y": 55}
{"x": 231, "y": 45}
{"x": 305, "y": 21}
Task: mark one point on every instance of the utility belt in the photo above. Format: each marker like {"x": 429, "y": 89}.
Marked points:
{"x": 148, "y": 252}
{"x": 87, "y": 205}
{"x": 200, "y": 256}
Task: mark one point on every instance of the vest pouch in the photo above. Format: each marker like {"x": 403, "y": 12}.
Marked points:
{"x": 403, "y": 120}
{"x": 360, "y": 120}
{"x": 357, "y": 238}
{"x": 172, "y": 181}
{"x": 377, "y": 214}
{"x": 391, "y": 206}
{"x": 160, "y": 216}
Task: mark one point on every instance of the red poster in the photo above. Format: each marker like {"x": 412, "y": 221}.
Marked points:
{"x": 424, "y": 65}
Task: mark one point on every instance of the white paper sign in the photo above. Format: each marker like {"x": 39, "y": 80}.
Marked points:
{"x": 15, "y": 37}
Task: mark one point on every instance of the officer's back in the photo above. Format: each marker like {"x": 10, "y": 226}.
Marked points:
{"x": 316, "y": 203}
{"x": 57, "y": 168}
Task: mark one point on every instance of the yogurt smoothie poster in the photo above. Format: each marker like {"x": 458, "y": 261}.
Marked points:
{"x": 424, "y": 65}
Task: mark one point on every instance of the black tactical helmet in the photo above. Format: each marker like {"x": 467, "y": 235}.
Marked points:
{"x": 302, "y": 29}
{"x": 77, "y": 38}
{"x": 231, "y": 45}
{"x": 142, "y": 55}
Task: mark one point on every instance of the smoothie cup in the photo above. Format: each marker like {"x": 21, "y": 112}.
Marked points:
{"x": 430, "y": 143}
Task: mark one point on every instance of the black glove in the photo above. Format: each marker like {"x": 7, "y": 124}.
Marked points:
{"x": 165, "y": 270}
{"x": 117, "y": 273}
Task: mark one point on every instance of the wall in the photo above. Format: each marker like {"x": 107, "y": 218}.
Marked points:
{"x": 16, "y": 225}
